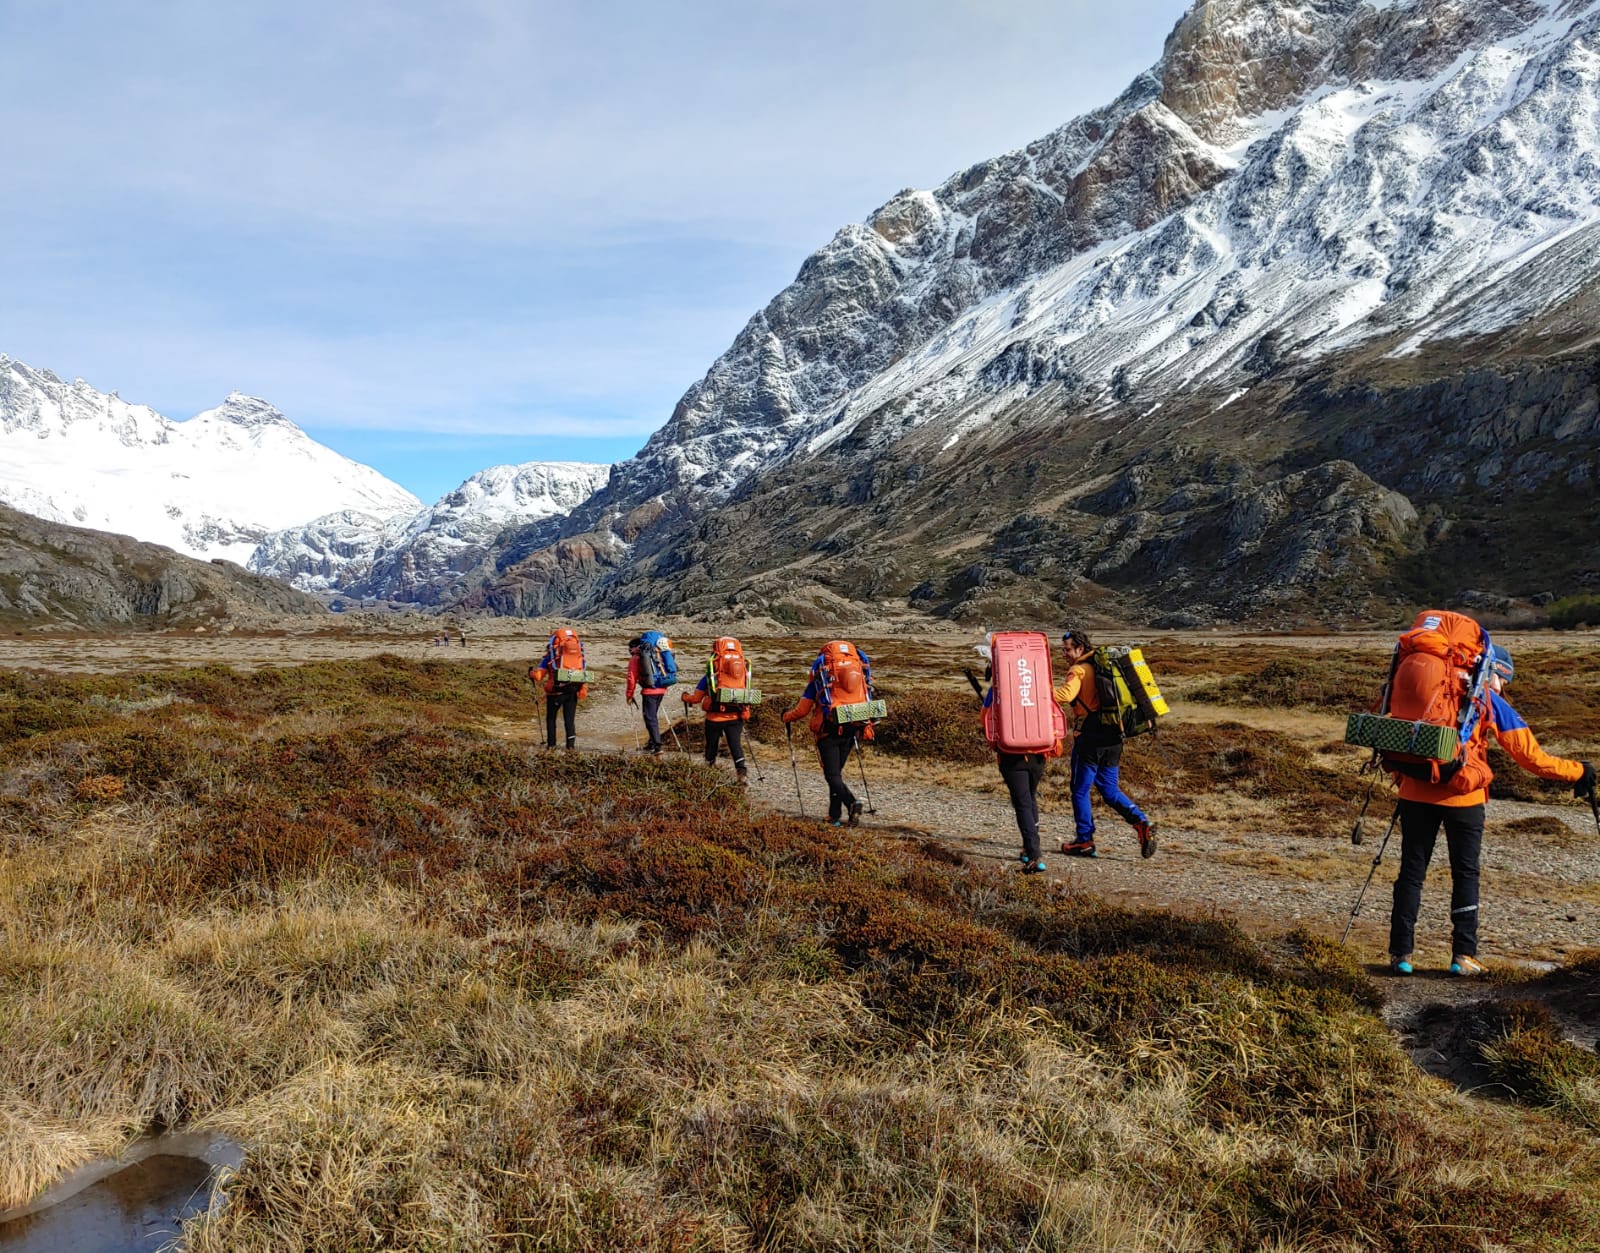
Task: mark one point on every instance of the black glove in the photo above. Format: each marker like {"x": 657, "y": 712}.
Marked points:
{"x": 1584, "y": 787}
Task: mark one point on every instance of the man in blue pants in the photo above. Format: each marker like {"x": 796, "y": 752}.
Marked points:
{"x": 1096, "y": 753}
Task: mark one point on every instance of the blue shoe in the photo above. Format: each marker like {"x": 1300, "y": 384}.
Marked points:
{"x": 1466, "y": 967}
{"x": 1399, "y": 966}
{"x": 1024, "y": 859}
{"x": 1035, "y": 866}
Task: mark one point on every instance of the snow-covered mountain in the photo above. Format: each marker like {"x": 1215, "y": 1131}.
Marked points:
{"x": 212, "y": 486}
{"x": 419, "y": 556}
{"x": 1289, "y": 180}
{"x": 1349, "y": 194}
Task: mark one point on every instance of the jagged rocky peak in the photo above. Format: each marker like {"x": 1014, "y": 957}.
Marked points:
{"x": 1290, "y": 189}
{"x": 248, "y": 412}
{"x": 212, "y": 486}
{"x": 418, "y": 556}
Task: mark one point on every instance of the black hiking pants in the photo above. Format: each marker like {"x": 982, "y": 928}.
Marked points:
{"x": 1463, "y": 833}
{"x": 834, "y": 750}
{"x": 564, "y": 702}
{"x": 1022, "y": 772}
{"x": 733, "y": 732}
{"x": 652, "y": 717}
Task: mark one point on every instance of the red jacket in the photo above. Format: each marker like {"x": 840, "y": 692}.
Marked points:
{"x": 636, "y": 679}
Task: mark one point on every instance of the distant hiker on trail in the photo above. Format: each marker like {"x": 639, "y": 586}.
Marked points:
{"x": 1025, "y": 727}
{"x": 563, "y": 675}
{"x": 1096, "y": 753}
{"x": 725, "y": 691}
{"x": 1447, "y": 662}
{"x": 652, "y": 669}
{"x": 841, "y": 704}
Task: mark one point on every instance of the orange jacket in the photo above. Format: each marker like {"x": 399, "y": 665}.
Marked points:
{"x": 1513, "y": 735}
{"x": 547, "y": 680}
{"x": 702, "y": 697}
{"x": 1078, "y": 691}
{"x": 809, "y": 704}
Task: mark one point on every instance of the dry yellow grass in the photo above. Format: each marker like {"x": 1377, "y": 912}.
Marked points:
{"x": 454, "y": 994}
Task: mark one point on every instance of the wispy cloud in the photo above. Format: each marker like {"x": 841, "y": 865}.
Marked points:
{"x": 466, "y": 215}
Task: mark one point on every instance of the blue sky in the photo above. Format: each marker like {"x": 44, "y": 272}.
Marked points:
{"x": 444, "y": 235}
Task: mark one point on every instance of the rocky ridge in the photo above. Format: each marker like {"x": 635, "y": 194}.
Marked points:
{"x": 422, "y": 557}
{"x": 59, "y": 575}
{"x": 1361, "y": 200}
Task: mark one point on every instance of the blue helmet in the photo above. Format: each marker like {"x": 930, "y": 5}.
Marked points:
{"x": 1500, "y": 663}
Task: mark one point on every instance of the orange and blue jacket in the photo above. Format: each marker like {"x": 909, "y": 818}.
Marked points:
{"x": 714, "y": 711}
{"x": 811, "y": 703}
{"x": 1513, "y": 735}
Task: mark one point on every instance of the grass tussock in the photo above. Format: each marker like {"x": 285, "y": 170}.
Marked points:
{"x": 454, "y": 994}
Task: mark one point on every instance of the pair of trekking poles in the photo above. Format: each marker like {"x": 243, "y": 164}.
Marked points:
{"x": 1358, "y": 834}
{"x": 794, "y": 764}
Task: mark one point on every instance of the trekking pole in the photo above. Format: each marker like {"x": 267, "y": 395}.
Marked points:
{"x": 1594, "y": 804}
{"x": 861, "y": 763}
{"x": 794, "y": 762}
{"x": 1358, "y": 832}
{"x": 1356, "y": 908}
{"x": 750, "y": 752}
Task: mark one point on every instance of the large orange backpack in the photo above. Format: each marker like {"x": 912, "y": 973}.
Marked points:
{"x": 1020, "y": 714}
{"x": 1439, "y": 677}
{"x": 563, "y": 662}
{"x": 842, "y": 680}
{"x": 728, "y": 686}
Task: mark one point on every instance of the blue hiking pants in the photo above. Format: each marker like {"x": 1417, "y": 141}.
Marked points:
{"x": 1096, "y": 766}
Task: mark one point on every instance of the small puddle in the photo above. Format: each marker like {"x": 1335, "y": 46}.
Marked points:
{"x": 128, "y": 1204}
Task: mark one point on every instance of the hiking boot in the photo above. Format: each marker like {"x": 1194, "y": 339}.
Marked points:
{"x": 1033, "y": 865}
{"x": 1146, "y": 831}
{"x": 1024, "y": 858}
{"x": 1079, "y": 848}
{"x": 855, "y": 813}
{"x": 742, "y": 778}
{"x": 1466, "y": 967}
{"x": 1400, "y": 966}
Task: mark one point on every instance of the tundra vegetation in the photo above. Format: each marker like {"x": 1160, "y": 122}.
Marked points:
{"x": 452, "y": 992}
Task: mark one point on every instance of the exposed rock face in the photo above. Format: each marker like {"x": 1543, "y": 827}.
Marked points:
{"x": 1298, "y": 206}
{"x": 69, "y": 575}
{"x": 428, "y": 556}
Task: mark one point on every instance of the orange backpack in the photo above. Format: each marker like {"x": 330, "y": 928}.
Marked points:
{"x": 1020, "y": 714}
{"x": 728, "y": 679}
{"x": 842, "y": 675}
{"x": 563, "y": 659}
{"x": 1439, "y": 677}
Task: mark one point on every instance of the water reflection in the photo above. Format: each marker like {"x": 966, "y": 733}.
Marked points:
{"x": 130, "y": 1205}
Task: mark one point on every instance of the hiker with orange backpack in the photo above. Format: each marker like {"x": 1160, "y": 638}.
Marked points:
{"x": 1096, "y": 753}
{"x": 841, "y": 705}
{"x": 1023, "y": 724}
{"x": 563, "y": 674}
{"x": 1447, "y": 673}
{"x": 727, "y": 694}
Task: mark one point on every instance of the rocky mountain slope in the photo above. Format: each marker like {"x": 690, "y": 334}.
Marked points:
{"x": 212, "y": 486}
{"x": 57, "y": 574}
{"x": 1265, "y": 337}
{"x": 422, "y": 558}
